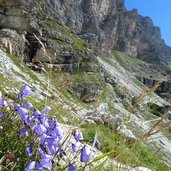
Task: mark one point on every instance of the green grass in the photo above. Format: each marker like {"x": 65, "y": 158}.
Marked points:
{"x": 77, "y": 43}
{"x": 131, "y": 153}
{"x": 25, "y": 69}
{"x": 61, "y": 82}
{"x": 136, "y": 65}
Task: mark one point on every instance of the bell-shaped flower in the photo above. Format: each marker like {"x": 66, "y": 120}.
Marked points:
{"x": 24, "y": 132}
{"x": 96, "y": 144}
{"x": 53, "y": 123}
{"x": 50, "y": 140}
{"x": 47, "y": 109}
{"x": 43, "y": 117}
{"x": 85, "y": 154}
{"x": 2, "y": 115}
{"x": 59, "y": 133}
{"x": 74, "y": 148}
{"x": 53, "y": 149}
{"x": 39, "y": 129}
{"x": 21, "y": 97}
{"x": 41, "y": 152}
{"x": 62, "y": 153}
{"x": 36, "y": 113}
{"x": 39, "y": 167}
{"x": 43, "y": 138}
{"x": 23, "y": 112}
{"x": 30, "y": 166}
{"x": 71, "y": 168}
{"x": 79, "y": 136}
{"x": 29, "y": 151}
{"x": 29, "y": 105}
{"x": 29, "y": 120}
{"x": 16, "y": 106}
{"x": 26, "y": 91}
{"x": 46, "y": 161}
{"x": 3, "y": 103}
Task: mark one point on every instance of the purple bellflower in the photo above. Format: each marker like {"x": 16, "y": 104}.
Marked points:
{"x": 30, "y": 166}
{"x": 53, "y": 123}
{"x": 16, "y": 106}
{"x": 79, "y": 136}
{"x": 29, "y": 105}
{"x": 3, "y": 103}
{"x": 29, "y": 151}
{"x": 24, "y": 132}
{"x": 42, "y": 118}
{"x": 26, "y": 91}
{"x": 2, "y": 115}
{"x": 71, "y": 168}
{"x": 62, "y": 153}
{"x": 74, "y": 148}
{"x": 36, "y": 113}
{"x": 39, "y": 167}
{"x": 46, "y": 161}
{"x": 58, "y": 132}
{"x": 23, "y": 112}
{"x": 47, "y": 109}
{"x": 85, "y": 154}
{"x": 21, "y": 97}
{"x": 39, "y": 129}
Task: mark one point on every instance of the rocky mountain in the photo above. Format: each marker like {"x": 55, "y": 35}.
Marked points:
{"x": 91, "y": 59}
{"x": 105, "y": 24}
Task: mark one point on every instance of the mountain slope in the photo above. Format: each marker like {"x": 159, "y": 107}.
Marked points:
{"x": 82, "y": 58}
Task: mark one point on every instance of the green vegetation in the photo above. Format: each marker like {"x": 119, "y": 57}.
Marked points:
{"x": 64, "y": 35}
{"x": 136, "y": 65}
{"x": 135, "y": 153}
{"x": 25, "y": 69}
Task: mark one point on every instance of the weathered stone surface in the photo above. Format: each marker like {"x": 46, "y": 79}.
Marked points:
{"x": 113, "y": 122}
{"x": 87, "y": 92}
{"x": 126, "y": 133}
{"x": 111, "y": 80}
{"x": 104, "y": 24}
{"x": 89, "y": 67}
{"x": 142, "y": 169}
{"x": 12, "y": 42}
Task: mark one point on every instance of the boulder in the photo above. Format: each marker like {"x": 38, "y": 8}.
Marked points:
{"x": 87, "y": 92}
{"x": 126, "y": 133}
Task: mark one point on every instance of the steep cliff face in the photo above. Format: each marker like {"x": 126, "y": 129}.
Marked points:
{"x": 109, "y": 25}
{"x": 105, "y": 24}
{"x": 140, "y": 38}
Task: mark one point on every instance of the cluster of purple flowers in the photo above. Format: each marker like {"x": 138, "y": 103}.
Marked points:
{"x": 46, "y": 135}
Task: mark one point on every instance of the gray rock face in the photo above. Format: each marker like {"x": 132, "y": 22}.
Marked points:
{"x": 12, "y": 42}
{"x": 104, "y": 24}
{"x": 87, "y": 92}
{"x": 107, "y": 24}
{"x": 140, "y": 38}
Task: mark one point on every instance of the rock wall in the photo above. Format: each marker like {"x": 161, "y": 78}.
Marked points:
{"x": 108, "y": 24}
{"x": 103, "y": 24}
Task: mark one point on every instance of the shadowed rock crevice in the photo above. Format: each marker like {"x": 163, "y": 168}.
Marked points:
{"x": 32, "y": 45}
